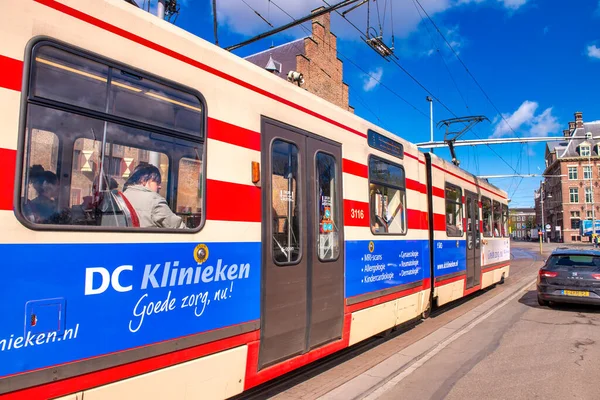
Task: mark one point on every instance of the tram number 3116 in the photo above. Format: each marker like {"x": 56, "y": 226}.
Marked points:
{"x": 357, "y": 214}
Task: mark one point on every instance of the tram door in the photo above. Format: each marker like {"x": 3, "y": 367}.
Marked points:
{"x": 473, "y": 240}
{"x": 302, "y": 301}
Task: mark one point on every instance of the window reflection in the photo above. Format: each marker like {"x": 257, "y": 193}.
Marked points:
{"x": 285, "y": 202}
{"x": 486, "y": 206}
{"x": 328, "y": 245}
{"x": 454, "y": 211}
{"x": 78, "y": 166}
{"x": 387, "y": 194}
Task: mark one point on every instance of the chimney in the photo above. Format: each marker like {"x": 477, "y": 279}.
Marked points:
{"x": 579, "y": 119}
{"x": 566, "y": 133}
{"x": 324, "y": 20}
{"x": 571, "y": 126}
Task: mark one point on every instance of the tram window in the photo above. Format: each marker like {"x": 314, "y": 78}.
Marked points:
{"x": 189, "y": 191}
{"x": 96, "y": 184}
{"x": 285, "y": 203}
{"x": 454, "y": 211}
{"x": 387, "y": 187}
{"x": 327, "y": 200}
{"x": 67, "y": 78}
{"x": 486, "y": 207}
{"x": 504, "y": 220}
{"x": 497, "y": 219}
{"x": 153, "y": 103}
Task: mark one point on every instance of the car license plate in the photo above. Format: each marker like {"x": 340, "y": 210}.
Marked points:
{"x": 577, "y": 293}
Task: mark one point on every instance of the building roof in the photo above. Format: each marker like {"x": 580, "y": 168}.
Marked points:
{"x": 569, "y": 147}
{"x": 523, "y": 210}
{"x": 283, "y": 55}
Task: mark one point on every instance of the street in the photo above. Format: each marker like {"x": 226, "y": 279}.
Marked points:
{"x": 512, "y": 349}
{"x": 522, "y": 351}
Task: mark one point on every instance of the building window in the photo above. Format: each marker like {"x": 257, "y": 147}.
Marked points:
{"x": 589, "y": 214}
{"x": 584, "y": 150}
{"x": 387, "y": 187}
{"x": 572, "y": 173}
{"x": 575, "y": 218}
{"x": 574, "y": 195}
{"x": 93, "y": 119}
{"x": 587, "y": 172}
{"x": 588, "y": 195}
{"x": 454, "y": 213}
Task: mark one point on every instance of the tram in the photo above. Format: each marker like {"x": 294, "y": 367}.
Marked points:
{"x": 280, "y": 228}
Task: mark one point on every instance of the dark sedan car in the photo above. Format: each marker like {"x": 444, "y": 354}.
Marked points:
{"x": 570, "y": 276}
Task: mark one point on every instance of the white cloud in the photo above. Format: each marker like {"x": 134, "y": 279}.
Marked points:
{"x": 544, "y": 124}
{"x": 372, "y": 80}
{"x": 593, "y": 51}
{"x": 525, "y": 116}
{"x": 513, "y": 4}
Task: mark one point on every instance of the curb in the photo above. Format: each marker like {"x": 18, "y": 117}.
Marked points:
{"x": 373, "y": 382}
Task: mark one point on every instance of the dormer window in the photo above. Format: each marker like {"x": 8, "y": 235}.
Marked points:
{"x": 584, "y": 150}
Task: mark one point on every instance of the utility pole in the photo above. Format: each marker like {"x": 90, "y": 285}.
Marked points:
{"x": 214, "y": 4}
{"x": 160, "y": 9}
{"x": 542, "y": 204}
{"x": 430, "y": 100}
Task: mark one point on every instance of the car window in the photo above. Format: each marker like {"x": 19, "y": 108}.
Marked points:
{"x": 572, "y": 260}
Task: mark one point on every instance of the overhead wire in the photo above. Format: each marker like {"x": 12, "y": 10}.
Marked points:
{"x": 474, "y": 79}
{"x": 358, "y": 66}
{"x": 257, "y": 13}
{"x": 438, "y": 51}
{"x": 428, "y": 92}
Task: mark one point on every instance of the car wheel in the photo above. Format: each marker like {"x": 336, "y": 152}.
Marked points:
{"x": 542, "y": 302}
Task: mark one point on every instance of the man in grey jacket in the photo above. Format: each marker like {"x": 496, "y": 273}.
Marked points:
{"x": 141, "y": 189}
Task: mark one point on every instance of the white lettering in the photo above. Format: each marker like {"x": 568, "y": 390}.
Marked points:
{"x": 89, "y": 280}
{"x": 114, "y": 280}
{"x": 149, "y": 276}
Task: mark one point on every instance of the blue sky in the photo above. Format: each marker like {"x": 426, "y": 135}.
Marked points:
{"x": 537, "y": 60}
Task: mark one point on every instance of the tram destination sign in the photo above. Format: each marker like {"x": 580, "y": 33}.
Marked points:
{"x": 385, "y": 144}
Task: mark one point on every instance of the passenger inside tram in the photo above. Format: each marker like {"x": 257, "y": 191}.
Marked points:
{"x": 151, "y": 208}
{"x": 43, "y": 209}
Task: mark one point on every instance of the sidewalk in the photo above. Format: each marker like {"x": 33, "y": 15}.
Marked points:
{"x": 372, "y": 381}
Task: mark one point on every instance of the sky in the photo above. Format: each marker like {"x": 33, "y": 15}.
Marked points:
{"x": 526, "y": 65}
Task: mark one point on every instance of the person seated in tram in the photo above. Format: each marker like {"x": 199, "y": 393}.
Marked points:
{"x": 151, "y": 208}
{"x": 43, "y": 209}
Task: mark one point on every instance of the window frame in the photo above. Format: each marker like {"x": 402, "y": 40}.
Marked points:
{"x": 589, "y": 169}
{"x": 300, "y": 198}
{"x": 588, "y": 150}
{"x": 505, "y": 223}
{"x": 462, "y": 207}
{"x": 338, "y": 212}
{"x": 575, "y": 175}
{"x": 494, "y": 202}
{"x": 385, "y": 160}
{"x": 28, "y": 99}
{"x": 576, "y": 194}
{"x": 483, "y": 198}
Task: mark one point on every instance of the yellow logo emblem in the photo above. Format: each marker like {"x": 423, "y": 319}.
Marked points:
{"x": 201, "y": 253}
{"x": 371, "y": 246}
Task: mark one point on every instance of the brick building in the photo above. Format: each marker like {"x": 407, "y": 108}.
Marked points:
{"x": 521, "y": 220}
{"x": 571, "y": 192}
{"x": 315, "y": 57}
